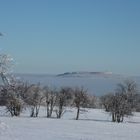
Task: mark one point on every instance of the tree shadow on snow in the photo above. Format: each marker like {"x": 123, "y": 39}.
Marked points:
{"x": 95, "y": 120}
{"x": 133, "y": 122}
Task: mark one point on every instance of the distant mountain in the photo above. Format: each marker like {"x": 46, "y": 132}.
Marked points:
{"x": 88, "y": 74}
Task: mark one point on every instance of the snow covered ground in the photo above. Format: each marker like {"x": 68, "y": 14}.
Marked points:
{"x": 94, "y": 124}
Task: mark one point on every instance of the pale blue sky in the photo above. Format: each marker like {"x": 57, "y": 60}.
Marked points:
{"x": 56, "y": 36}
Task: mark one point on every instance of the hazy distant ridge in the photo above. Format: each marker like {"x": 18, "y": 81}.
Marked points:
{"x": 84, "y": 74}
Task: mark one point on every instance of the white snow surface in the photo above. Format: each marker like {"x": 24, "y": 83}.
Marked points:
{"x": 94, "y": 124}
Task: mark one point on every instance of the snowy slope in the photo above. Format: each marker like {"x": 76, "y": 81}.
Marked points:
{"x": 93, "y": 125}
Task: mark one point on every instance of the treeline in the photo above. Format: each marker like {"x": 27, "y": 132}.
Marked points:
{"x": 21, "y": 95}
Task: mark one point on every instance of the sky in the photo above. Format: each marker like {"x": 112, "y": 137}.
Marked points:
{"x": 56, "y": 36}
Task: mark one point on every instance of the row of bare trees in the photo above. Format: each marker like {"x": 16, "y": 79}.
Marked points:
{"x": 19, "y": 96}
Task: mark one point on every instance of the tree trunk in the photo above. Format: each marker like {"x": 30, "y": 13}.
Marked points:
{"x": 122, "y": 118}
{"x": 48, "y": 112}
{"x": 113, "y": 117}
{"x": 51, "y": 110}
{"x": 32, "y": 112}
{"x": 77, "y": 116}
{"x": 118, "y": 118}
{"x": 60, "y": 112}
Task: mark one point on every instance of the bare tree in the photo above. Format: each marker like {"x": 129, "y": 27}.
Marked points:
{"x": 80, "y": 99}
{"x": 106, "y": 101}
{"x": 137, "y": 102}
{"x": 6, "y": 63}
{"x": 9, "y": 91}
{"x": 129, "y": 90}
{"x": 3, "y": 95}
{"x": 34, "y": 100}
{"x": 50, "y": 99}
{"x": 14, "y": 104}
{"x": 11, "y": 96}
{"x": 63, "y": 97}
{"x": 93, "y": 101}
{"x": 122, "y": 102}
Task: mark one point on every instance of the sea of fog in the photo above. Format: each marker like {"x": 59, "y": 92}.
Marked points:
{"x": 96, "y": 84}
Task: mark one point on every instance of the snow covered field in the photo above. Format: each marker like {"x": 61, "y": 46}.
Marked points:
{"x": 94, "y": 124}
